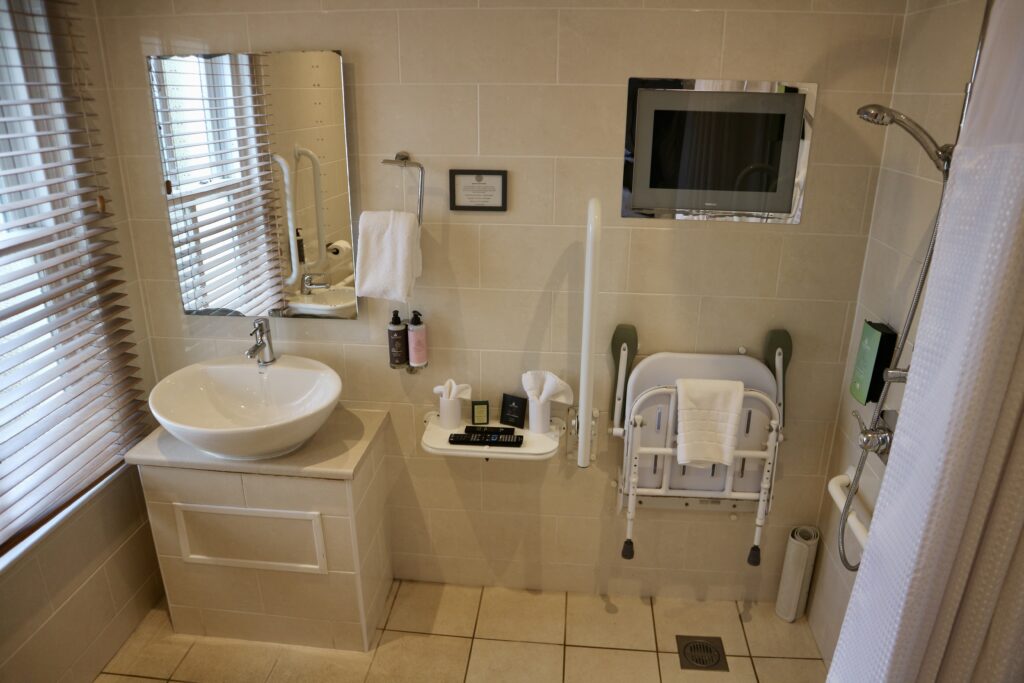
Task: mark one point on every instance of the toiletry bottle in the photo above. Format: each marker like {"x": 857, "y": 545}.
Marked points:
{"x": 398, "y": 342}
{"x": 417, "y": 341}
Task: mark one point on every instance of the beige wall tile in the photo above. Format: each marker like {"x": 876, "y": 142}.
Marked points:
{"x": 208, "y": 586}
{"x": 429, "y": 119}
{"x": 338, "y": 543}
{"x": 478, "y": 46}
{"x": 835, "y": 199}
{"x": 839, "y": 52}
{"x": 818, "y": 328}
{"x": 436, "y": 483}
{"x": 131, "y": 566}
{"x": 368, "y": 40}
{"x": 65, "y": 636}
{"x": 522, "y": 323}
{"x": 938, "y": 47}
{"x": 74, "y": 550}
{"x": 116, "y": 8}
{"x": 839, "y": 136}
{"x": 552, "y": 120}
{"x": 175, "y": 485}
{"x": 326, "y": 496}
{"x": 821, "y": 267}
{"x": 225, "y": 6}
{"x": 24, "y": 601}
{"x": 601, "y": 46}
{"x": 451, "y": 256}
{"x": 905, "y": 208}
{"x": 127, "y": 41}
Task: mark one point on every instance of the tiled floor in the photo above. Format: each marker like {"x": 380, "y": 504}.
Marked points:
{"x": 438, "y": 633}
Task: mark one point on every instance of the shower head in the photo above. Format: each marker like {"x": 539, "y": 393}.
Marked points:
{"x": 881, "y": 115}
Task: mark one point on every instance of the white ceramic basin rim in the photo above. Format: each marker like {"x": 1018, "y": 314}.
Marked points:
{"x": 232, "y": 408}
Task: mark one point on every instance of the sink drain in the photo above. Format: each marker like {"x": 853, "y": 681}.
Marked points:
{"x": 703, "y": 653}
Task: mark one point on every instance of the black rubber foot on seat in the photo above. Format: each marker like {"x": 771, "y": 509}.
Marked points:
{"x": 754, "y": 557}
{"x": 627, "y": 549}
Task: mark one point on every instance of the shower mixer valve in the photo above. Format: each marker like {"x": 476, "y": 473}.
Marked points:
{"x": 877, "y": 440}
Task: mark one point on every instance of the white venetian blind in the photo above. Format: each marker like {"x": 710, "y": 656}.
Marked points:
{"x": 213, "y": 126}
{"x": 69, "y": 405}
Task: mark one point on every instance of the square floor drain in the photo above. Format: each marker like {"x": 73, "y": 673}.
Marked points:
{"x": 701, "y": 653}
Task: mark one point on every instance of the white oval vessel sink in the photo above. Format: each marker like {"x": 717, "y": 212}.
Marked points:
{"x": 231, "y": 408}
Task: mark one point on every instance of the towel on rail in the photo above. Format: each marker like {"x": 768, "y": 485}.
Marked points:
{"x": 388, "y": 256}
{"x": 708, "y": 421}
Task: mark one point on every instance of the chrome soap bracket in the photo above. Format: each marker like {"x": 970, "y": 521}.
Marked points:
{"x": 403, "y": 160}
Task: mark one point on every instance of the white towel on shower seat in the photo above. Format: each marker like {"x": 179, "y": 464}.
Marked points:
{"x": 388, "y": 255}
{"x": 708, "y": 421}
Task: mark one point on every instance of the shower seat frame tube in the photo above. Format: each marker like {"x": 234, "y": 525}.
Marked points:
{"x": 630, "y": 480}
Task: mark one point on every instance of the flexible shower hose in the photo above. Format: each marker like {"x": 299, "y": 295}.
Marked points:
{"x": 901, "y": 342}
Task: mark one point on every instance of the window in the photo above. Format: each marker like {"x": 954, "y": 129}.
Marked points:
{"x": 69, "y": 402}
{"x": 213, "y": 127}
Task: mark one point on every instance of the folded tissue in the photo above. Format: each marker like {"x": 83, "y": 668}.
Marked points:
{"x": 451, "y": 396}
{"x": 541, "y": 389}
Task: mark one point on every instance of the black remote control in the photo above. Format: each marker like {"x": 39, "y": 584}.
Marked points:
{"x": 470, "y": 429}
{"x": 502, "y": 440}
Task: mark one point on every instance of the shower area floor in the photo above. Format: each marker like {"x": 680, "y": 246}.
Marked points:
{"x": 439, "y": 632}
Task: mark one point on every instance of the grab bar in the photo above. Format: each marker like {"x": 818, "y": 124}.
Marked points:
{"x": 839, "y": 489}
{"x": 293, "y": 238}
{"x": 318, "y": 204}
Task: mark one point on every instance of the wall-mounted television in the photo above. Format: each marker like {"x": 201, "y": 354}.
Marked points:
{"x": 715, "y": 150}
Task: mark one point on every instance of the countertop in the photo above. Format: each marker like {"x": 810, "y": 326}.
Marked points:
{"x": 334, "y": 452}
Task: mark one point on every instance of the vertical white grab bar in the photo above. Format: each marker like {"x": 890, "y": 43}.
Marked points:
{"x": 289, "y": 220}
{"x": 590, "y": 278}
{"x": 318, "y": 205}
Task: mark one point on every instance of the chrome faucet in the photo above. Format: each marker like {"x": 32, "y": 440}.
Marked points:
{"x": 309, "y": 285}
{"x": 263, "y": 349}
{"x": 877, "y": 440}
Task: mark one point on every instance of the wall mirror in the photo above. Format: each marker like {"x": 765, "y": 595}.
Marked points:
{"x": 255, "y": 169}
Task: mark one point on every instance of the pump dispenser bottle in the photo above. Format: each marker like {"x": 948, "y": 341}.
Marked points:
{"x": 417, "y": 341}
{"x": 398, "y": 342}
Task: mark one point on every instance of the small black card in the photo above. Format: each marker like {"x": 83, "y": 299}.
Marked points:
{"x": 513, "y": 411}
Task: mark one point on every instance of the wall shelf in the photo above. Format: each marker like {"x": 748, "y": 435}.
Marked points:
{"x": 535, "y": 446}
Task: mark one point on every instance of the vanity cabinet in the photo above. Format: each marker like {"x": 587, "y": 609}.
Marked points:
{"x": 288, "y": 550}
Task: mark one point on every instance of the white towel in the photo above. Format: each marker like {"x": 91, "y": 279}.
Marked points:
{"x": 388, "y": 257}
{"x": 544, "y": 386}
{"x": 709, "y": 421}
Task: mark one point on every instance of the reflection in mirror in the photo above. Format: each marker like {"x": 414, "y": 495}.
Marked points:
{"x": 255, "y": 167}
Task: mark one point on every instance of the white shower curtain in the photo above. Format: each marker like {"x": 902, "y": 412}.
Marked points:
{"x": 940, "y": 592}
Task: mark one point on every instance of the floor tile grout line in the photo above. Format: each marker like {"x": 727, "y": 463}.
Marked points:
{"x": 657, "y": 655}
{"x": 472, "y": 637}
{"x": 384, "y": 629}
{"x": 565, "y": 624}
{"x": 746, "y": 641}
